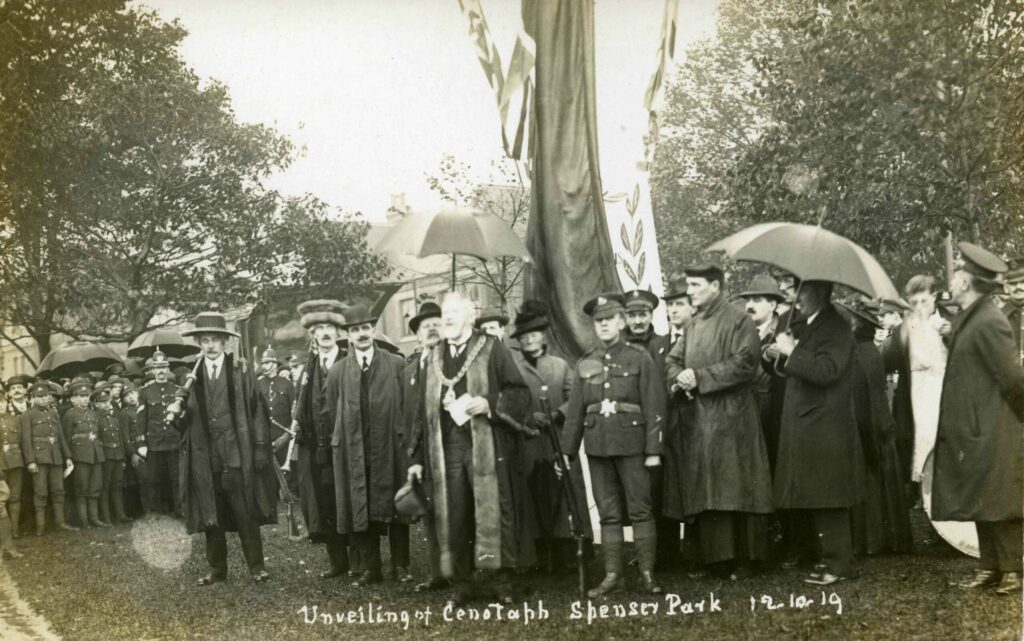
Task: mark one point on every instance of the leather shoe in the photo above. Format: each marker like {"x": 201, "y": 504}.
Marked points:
{"x": 826, "y": 578}
{"x": 981, "y": 579}
{"x": 1010, "y": 584}
{"x": 402, "y": 575}
{"x": 61, "y": 526}
{"x": 210, "y": 579}
{"x": 366, "y": 578}
{"x": 261, "y": 577}
{"x": 332, "y": 573}
{"x": 650, "y": 585}
{"x": 611, "y": 583}
{"x": 11, "y": 553}
{"x": 431, "y": 585}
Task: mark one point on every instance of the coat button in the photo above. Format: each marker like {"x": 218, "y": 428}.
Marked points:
{"x": 607, "y": 385}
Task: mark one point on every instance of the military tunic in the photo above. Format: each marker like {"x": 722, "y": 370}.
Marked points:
{"x": 11, "y": 459}
{"x": 42, "y": 443}
{"x": 82, "y": 432}
{"x": 158, "y": 474}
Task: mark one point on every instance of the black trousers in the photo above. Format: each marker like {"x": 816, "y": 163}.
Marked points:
{"x": 159, "y": 481}
{"x": 368, "y": 544}
{"x": 458, "y": 461}
{"x": 228, "y": 493}
{"x": 825, "y": 534}
{"x": 1001, "y": 544}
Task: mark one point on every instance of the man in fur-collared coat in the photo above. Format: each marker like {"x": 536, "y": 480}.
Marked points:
{"x": 225, "y": 477}
{"x": 473, "y": 466}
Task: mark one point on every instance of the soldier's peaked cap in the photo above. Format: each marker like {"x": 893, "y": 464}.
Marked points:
{"x": 604, "y": 306}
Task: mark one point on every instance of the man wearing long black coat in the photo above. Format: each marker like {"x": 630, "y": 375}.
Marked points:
{"x": 819, "y": 471}
{"x": 225, "y": 477}
{"x": 979, "y": 468}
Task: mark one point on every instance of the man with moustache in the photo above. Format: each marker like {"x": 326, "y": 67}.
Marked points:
{"x": 17, "y": 394}
{"x": 493, "y": 322}
{"x": 315, "y": 415}
{"x": 470, "y": 455}
{"x": 726, "y": 477}
{"x": 225, "y": 456}
{"x": 426, "y": 325}
{"x": 156, "y": 443}
{"x": 367, "y": 443}
{"x": 761, "y": 300}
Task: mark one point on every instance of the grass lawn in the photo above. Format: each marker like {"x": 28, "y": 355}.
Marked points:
{"x": 108, "y": 585}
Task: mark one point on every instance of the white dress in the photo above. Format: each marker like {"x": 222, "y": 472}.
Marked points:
{"x": 927, "y": 367}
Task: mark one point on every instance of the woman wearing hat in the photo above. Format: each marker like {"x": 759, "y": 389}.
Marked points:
{"x": 225, "y": 455}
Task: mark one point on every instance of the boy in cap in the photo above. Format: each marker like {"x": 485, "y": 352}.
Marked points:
{"x": 616, "y": 410}
{"x": 225, "y": 457}
{"x": 81, "y": 426}
{"x": 116, "y": 444}
{"x": 45, "y": 450}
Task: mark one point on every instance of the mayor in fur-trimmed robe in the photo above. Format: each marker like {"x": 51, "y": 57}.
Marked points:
{"x": 474, "y": 472}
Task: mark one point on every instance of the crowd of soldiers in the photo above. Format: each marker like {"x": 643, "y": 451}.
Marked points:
{"x": 758, "y": 432}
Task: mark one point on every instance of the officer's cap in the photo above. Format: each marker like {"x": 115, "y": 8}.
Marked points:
{"x": 78, "y": 386}
{"x": 1015, "y": 270}
{"x": 604, "y": 306}
{"x": 980, "y": 262}
{"x": 640, "y": 299}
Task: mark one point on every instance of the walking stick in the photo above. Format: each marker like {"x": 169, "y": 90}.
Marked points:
{"x": 575, "y": 515}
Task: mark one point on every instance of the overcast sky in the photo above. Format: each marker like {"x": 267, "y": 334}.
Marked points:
{"x": 377, "y": 91}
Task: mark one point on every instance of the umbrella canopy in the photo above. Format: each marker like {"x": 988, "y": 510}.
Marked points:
{"x": 470, "y": 232}
{"x": 810, "y": 253}
{"x": 75, "y": 358}
{"x": 168, "y": 340}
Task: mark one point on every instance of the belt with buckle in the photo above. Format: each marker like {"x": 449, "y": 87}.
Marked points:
{"x": 607, "y": 408}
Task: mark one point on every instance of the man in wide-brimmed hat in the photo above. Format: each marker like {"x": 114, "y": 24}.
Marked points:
{"x": 324, "y": 320}
{"x": 155, "y": 443}
{"x": 368, "y": 443}
{"x": 226, "y": 457}
{"x": 550, "y": 380}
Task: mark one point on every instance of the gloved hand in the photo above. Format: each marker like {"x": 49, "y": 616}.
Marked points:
{"x": 541, "y": 420}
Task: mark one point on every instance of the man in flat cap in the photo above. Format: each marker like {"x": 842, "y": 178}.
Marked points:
{"x": 726, "y": 480}
{"x": 315, "y": 416}
{"x": 81, "y": 427}
{"x": 1013, "y": 285}
{"x": 978, "y": 466}
{"x": 46, "y": 454}
{"x": 470, "y": 455}
{"x": 617, "y": 410}
{"x": 426, "y": 325}
{"x": 155, "y": 443}
{"x": 225, "y": 456}
{"x": 367, "y": 443}
{"x": 819, "y": 473}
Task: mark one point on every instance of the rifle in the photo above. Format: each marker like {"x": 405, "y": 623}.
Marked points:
{"x": 575, "y": 515}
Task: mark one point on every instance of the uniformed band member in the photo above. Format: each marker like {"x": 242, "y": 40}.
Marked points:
{"x": 550, "y": 380}
{"x": 493, "y": 322}
{"x": 368, "y": 442}
{"x": 978, "y": 466}
{"x": 426, "y": 326}
{"x": 14, "y": 465}
{"x": 278, "y": 394}
{"x": 156, "y": 442}
{"x": 616, "y": 411}
{"x": 46, "y": 454}
{"x": 116, "y": 444}
{"x": 225, "y": 459}
{"x": 1013, "y": 285}
{"x": 471, "y": 456}
{"x": 81, "y": 427}
{"x": 17, "y": 394}
{"x": 323, "y": 319}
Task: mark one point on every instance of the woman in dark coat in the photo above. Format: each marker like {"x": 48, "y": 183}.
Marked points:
{"x": 881, "y": 523}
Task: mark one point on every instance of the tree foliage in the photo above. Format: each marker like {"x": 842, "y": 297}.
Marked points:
{"x": 128, "y": 187}
{"x": 894, "y": 122}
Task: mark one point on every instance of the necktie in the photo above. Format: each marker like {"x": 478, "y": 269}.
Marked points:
{"x": 366, "y": 363}
{"x": 323, "y": 364}
{"x": 457, "y": 350}
{"x": 214, "y": 375}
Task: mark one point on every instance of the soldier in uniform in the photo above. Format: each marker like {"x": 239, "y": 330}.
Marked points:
{"x": 128, "y": 417}
{"x": 640, "y": 306}
{"x": 156, "y": 442}
{"x": 44, "y": 450}
{"x": 115, "y": 384}
{"x": 81, "y": 427}
{"x": 17, "y": 394}
{"x": 616, "y": 410}
{"x": 277, "y": 394}
{"x": 14, "y": 464}
{"x": 116, "y": 444}
{"x": 1013, "y": 285}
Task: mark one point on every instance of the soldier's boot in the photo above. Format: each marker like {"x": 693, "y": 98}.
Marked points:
{"x": 104, "y": 506}
{"x": 41, "y": 520}
{"x": 82, "y": 511}
{"x": 645, "y": 538}
{"x": 118, "y": 500}
{"x": 94, "y": 514}
{"x": 14, "y": 510}
{"x": 611, "y": 548}
{"x": 58, "y": 517}
{"x": 7, "y": 549}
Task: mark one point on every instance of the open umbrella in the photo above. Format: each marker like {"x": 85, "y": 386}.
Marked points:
{"x": 810, "y": 252}
{"x": 168, "y": 340}
{"x": 470, "y": 232}
{"x": 75, "y": 358}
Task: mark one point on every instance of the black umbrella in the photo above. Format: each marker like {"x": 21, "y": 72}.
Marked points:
{"x": 168, "y": 340}
{"x": 76, "y": 357}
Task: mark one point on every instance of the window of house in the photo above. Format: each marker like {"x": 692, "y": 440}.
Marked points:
{"x": 406, "y": 310}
